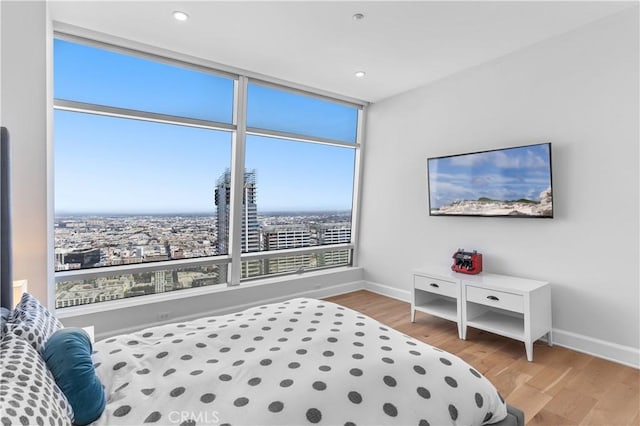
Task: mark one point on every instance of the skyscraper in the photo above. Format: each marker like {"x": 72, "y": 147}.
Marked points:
{"x": 278, "y": 237}
{"x": 333, "y": 233}
{"x": 250, "y": 235}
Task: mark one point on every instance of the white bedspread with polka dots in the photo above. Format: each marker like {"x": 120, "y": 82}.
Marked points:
{"x": 299, "y": 362}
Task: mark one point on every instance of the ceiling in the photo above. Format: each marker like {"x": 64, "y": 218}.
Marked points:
{"x": 400, "y": 45}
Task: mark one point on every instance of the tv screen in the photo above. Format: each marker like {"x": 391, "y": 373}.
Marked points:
{"x": 511, "y": 182}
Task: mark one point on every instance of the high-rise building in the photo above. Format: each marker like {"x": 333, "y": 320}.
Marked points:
{"x": 333, "y": 233}
{"x": 250, "y": 234}
{"x": 278, "y": 237}
{"x": 163, "y": 281}
{"x": 86, "y": 258}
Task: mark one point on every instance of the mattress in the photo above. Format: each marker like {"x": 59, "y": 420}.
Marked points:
{"x": 302, "y": 361}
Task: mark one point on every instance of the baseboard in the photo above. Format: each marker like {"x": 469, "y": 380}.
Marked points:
{"x": 621, "y": 354}
{"x": 385, "y": 290}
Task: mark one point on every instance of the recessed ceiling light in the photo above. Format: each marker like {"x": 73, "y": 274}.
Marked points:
{"x": 180, "y": 16}
{"x": 358, "y": 16}
{"x": 360, "y": 74}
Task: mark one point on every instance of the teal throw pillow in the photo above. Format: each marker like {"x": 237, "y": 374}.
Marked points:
{"x": 68, "y": 357}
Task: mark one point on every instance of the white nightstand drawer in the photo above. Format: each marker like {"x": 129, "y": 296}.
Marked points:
{"x": 498, "y": 299}
{"x": 437, "y": 286}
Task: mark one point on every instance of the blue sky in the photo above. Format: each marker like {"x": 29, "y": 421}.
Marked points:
{"x": 114, "y": 165}
{"x": 510, "y": 174}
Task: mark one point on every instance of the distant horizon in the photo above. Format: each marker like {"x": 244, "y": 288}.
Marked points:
{"x": 271, "y": 212}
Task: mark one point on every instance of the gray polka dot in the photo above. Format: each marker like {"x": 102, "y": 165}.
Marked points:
{"x": 153, "y": 417}
{"x": 355, "y": 372}
{"x": 276, "y": 407}
{"x": 453, "y": 412}
{"x": 324, "y": 368}
{"x": 265, "y": 362}
{"x": 418, "y": 369}
{"x": 169, "y": 371}
{"x": 241, "y": 402}
{"x": 475, "y": 373}
{"x": 118, "y": 389}
{"x": 286, "y": 383}
{"x": 390, "y": 409}
{"x": 314, "y": 415}
{"x": 445, "y": 361}
{"x": 424, "y": 392}
{"x": 177, "y": 391}
{"x": 451, "y": 381}
{"x": 389, "y": 381}
{"x": 122, "y": 411}
{"x": 319, "y": 386}
{"x": 224, "y": 377}
{"x": 148, "y": 391}
{"x": 479, "y": 400}
{"x": 118, "y": 366}
{"x": 254, "y": 381}
{"x": 355, "y": 397}
{"x": 423, "y": 422}
{"x": 294, "y": 365}
{"x": 207, "y": 398}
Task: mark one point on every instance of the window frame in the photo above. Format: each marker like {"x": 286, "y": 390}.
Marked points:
{"x": 239, "y": 131}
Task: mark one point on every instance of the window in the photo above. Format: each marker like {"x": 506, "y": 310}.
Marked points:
{"x": 144, "y": 179}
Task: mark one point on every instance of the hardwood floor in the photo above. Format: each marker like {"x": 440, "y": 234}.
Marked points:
{"x": 561, "y": 386}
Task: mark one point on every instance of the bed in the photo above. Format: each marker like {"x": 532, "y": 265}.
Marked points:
{"x": 301, "y": 361}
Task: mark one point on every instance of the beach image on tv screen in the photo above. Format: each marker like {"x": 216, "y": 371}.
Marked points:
{"x": 505, "y": 182}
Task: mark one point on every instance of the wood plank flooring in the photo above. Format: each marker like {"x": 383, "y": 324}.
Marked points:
{"x": 561, "y": 386}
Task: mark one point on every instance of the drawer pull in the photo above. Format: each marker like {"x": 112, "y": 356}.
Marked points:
{"x": 434, "y": 285}
{"x": 494, "y": 298}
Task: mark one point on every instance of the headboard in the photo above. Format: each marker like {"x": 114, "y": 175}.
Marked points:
{"x": 6, "y": 276}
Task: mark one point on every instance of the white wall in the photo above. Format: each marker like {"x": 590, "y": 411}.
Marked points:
{"x": 24, "y": 113}
{"x": 578, "y": 91}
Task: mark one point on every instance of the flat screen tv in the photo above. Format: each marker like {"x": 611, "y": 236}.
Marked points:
{"x": 510, "y": 182}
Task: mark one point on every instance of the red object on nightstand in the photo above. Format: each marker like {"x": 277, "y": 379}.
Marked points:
{"x": 467, "y": 262}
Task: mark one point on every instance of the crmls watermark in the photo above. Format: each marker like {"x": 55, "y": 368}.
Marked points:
{"x": 194, "y": 417}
